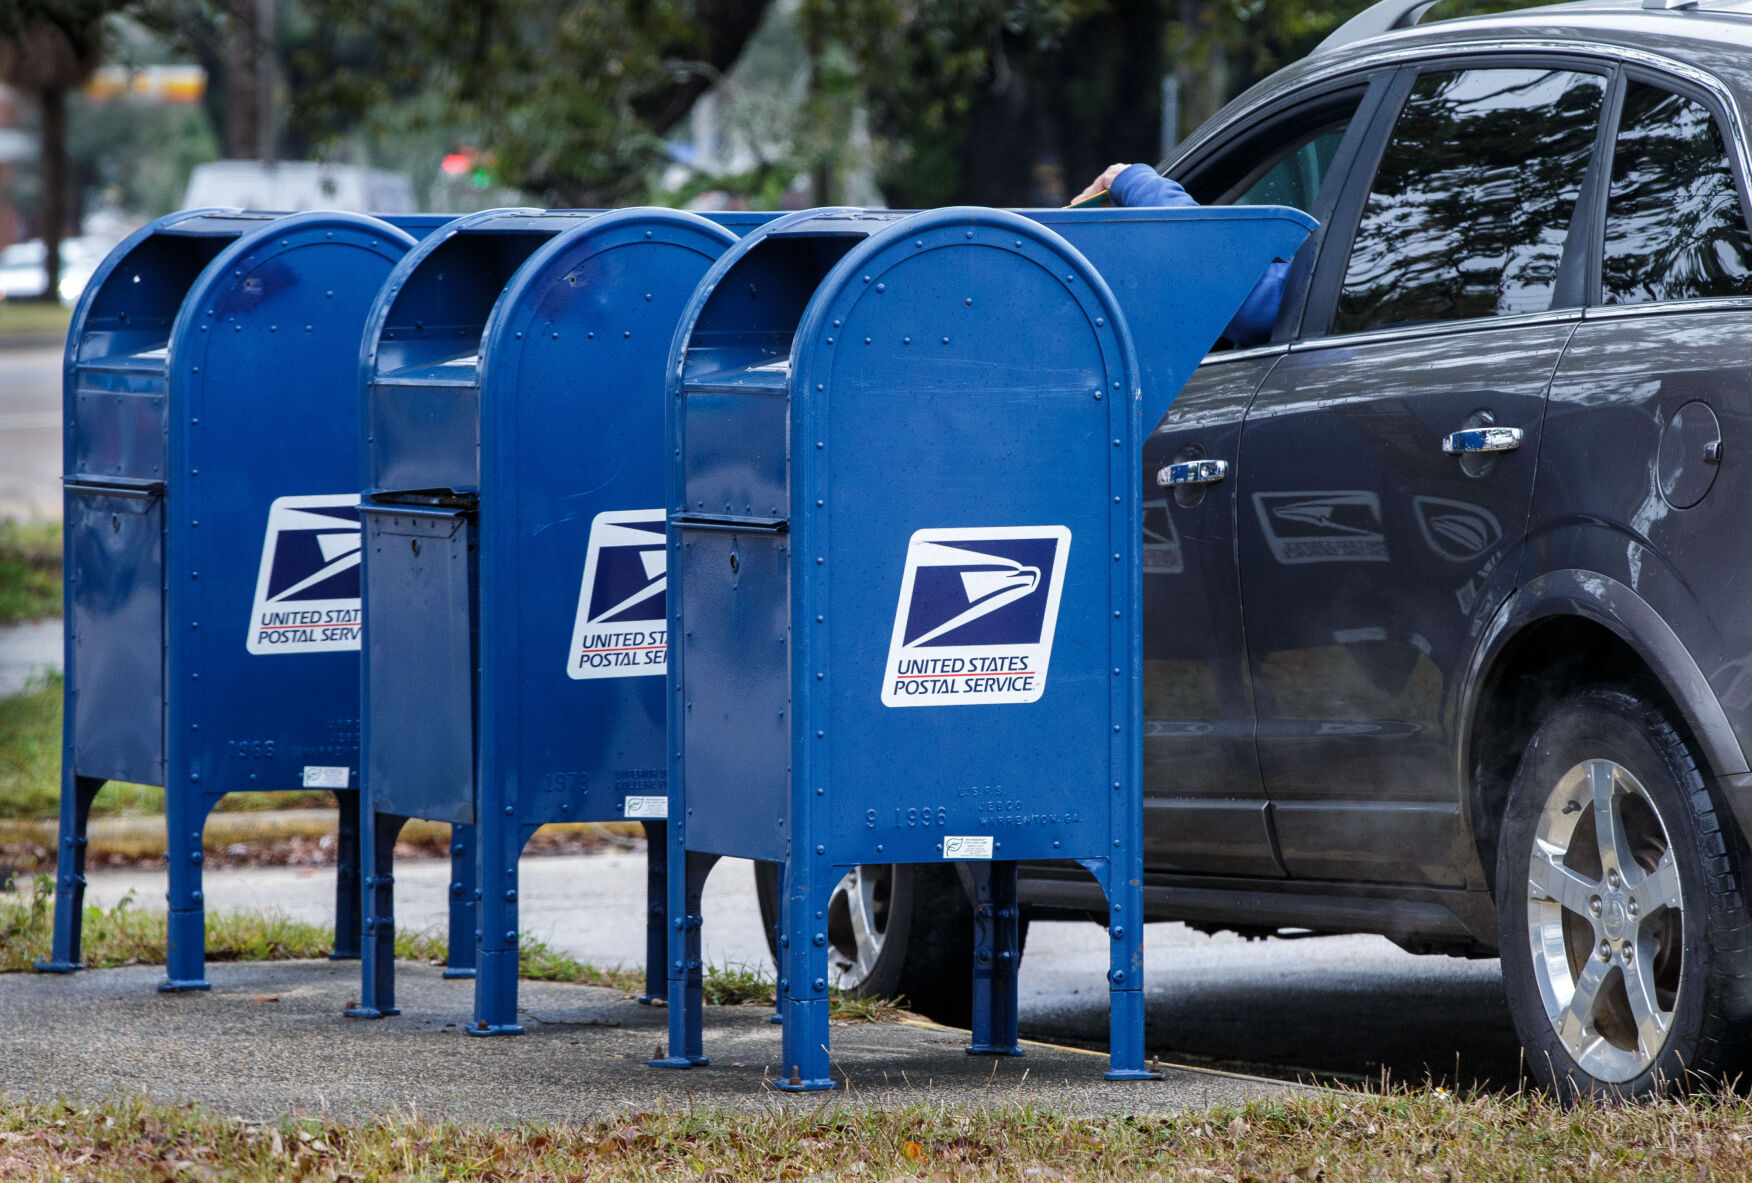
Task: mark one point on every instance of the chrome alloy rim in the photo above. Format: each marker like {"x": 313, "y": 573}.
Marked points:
{"x": 857, "y": 923}
{"x": 1605, "y": 920}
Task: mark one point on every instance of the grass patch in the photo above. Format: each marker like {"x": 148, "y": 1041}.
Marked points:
{"x": 33, "y": 317}
{"x": 126, "y": 935}
{"x": 1331, "y": 1136}
{"x": 30, "y": 570}
{"x": 30, "y": 769}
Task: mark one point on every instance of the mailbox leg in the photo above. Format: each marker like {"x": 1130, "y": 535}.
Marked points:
{"x": 687, "y": 881}
{"x": 803, "y": 998}
{"x": 377, "y": 962}
{"x": 1125, "y": 977}
{"x": 349, "y": 907}
{"x": 77, "y": 794}
{"x": 656, "y": 909}
{"x": 185, "y": 942}
{"x": 496, "y": 953}
{"x": 459, "y": 961}
{"x": 778, "y": 1015}
{"x": 996, "y": 931}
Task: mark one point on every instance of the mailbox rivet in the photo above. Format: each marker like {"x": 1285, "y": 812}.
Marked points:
{"x": 906, "y": 340}
{"x": 820, "y": 734}
{"x": 1116, "y": 614}
{"x": 1116, "y": 786}
{"x": 1116, "y": 674}
{"x": 945, "y": 340}
{"x": 1116, "y": 501}
{"x": 1116, "y": 443}
{"x": 918, "y": 242}
{"x": 866, "y": 279}
{"x": 511, "y": 934}
{"x": 819, "y": 619}
{"x": 591, "y": 336}
{"x": 819, "y": 677}
{"x": 1116, "y": 386}
{"x": 511, "y": 809}
{"x": 821, "y": 792}
{"x": 967, "y": 300}
{"x": 820, "y": 561}
{"x": 820, "y": 940}
{"x": 821, "y": 983}
{"x": 866, "y": 340}
{"x": 556, "y": 336}
{"x": 820, "y": 386}
{"x": 626, "y": 333}
{"x": 881, "y": 287}
{"x": 647, "y": 295}
{"x": 195, "y": 776}
{"x": 820, "y": 850}
{"x": 1097, "y": 396}
{"x": 1116, "y": 841}
{"x": 819, "y": 445}
{"x": 830, "y": 340}
{"x": 1099, "y": 322}
{"x": 1116, "y": 556}
{"x": 1055, "y": 845}
{"x": 519, "y": 335}
{"x": 879, "y": 848}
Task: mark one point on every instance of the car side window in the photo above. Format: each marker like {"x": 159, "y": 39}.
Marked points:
{"x": 1473, "y": 197}
{"x": 1674, "y": 226}
{"x": 1293, "y": 176}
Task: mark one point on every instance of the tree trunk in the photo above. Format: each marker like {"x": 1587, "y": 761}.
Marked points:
{"x": 242, "y": 86}
{"x": 54, "y": 199}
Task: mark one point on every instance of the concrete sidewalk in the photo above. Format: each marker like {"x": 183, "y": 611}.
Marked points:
{"x": 269, "y": 1039}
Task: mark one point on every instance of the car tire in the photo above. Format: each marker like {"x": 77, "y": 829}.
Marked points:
{"x": 924, "y": 921}
{"x": 1625, "y": 939}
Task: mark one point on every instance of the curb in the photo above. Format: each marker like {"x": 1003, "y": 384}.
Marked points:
{"x": 136, "y": 837}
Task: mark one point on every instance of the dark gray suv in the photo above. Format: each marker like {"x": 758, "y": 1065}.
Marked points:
{"x": 1454, "y": 642}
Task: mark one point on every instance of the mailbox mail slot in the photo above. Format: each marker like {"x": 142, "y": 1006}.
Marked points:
{"x": 514, "y": 552}
{"x": 212, "y": 535}
{"x": 905, "y": 534}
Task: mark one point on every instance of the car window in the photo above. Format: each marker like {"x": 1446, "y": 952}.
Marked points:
{"x": 1468, "y": 210}
{"x": 1674, "y": 227}
{"x": 1292, "y": 177}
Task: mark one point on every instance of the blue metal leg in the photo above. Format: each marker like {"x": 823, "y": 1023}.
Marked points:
{"x": 377, "y": 961}
{"x": 349, "y": 907}
{"x": 996, "y": 927}
{"x": 778, "y": 1015}
{"x": 77, "y": 794}
{"x": 803, "y": 999}
{"x": 496, "y": 954}
{"x": 687, "y": 881}
{"x": 656, "y": 909}
{"x": 464, "y": 909}
{"x": 1125, "y": 977}
{"x": 185, "y": 944}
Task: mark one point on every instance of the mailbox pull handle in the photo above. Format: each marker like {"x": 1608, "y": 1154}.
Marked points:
{"x": 1482, "y": 439}
{"x": 1192, "y": 472}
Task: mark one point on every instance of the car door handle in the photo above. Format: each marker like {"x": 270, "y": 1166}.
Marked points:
{"x": 1192, "y": 472}
{"x": 1482, "y": 439}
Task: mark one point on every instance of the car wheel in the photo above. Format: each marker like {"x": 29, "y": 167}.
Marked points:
{"x": 894, "y": 931}
{"x": 1622, "y": 920}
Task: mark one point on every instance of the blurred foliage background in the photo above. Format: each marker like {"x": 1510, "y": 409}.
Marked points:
{"x": 595, "y": 102}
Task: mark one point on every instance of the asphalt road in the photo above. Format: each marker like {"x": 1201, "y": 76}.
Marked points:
{"x": 30, "y": 433}
{"x": 1345, "y": 1008}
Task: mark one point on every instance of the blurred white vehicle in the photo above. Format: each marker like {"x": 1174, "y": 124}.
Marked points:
{"x": 296, "y": 185}
{"x": 24, "y": 276}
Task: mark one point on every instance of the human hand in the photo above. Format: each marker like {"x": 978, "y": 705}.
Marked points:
{"x": 1101, "y": 183}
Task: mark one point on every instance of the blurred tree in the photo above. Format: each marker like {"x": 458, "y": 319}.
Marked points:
{"x": 571, "y": 97}
{"x": 47, "y": 48}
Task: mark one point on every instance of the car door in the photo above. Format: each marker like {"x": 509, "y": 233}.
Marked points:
{"x": 1386, "y": 463}
{"x": 1205, "y": 807}
{"x": 1642, "y": 475}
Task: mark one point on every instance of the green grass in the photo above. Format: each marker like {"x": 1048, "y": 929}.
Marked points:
{"x": 30, "y": 769}
{"x": 30, "y": 570}
{"x": 33, "y": 317}
{"x": 1336, "y": 1137}
{"x": 126, "y": 935}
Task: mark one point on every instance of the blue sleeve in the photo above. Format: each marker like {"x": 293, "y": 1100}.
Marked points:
{"x": 1140, "y": 185}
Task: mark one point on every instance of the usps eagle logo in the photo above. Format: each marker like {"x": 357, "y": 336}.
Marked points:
{"x": 976, "y": 616}
{"x": 621, "y": 629}
{"x": 307, "y": 588}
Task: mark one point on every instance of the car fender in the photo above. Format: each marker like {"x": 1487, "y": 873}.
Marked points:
{"x": 1616, "y": 606}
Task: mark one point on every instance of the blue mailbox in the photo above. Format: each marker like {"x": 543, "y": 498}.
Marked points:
{"x": 515, "y": 566}
{"x": 212, "y": 536}
{"x": 905, "y": 530}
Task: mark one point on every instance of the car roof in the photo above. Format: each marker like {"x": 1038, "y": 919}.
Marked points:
{"x": 1713, "y": 37}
